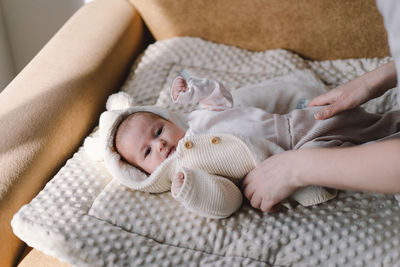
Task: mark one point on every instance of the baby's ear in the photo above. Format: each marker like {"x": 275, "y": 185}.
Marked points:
{"x": 118, "y": 101}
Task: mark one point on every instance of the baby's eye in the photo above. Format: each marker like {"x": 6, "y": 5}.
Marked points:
{"x": 147, "y": 152}
{"x": 159, "y": 131}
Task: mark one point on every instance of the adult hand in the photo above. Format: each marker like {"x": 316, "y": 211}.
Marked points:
{"x": 341, "y": 98}
{"x": 356, "y": 92}
{"x": 272, "y": 181}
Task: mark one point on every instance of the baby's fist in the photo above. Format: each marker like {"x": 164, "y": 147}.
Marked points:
{"x": 178, "y": 86}
{"x": 177, "y": 183}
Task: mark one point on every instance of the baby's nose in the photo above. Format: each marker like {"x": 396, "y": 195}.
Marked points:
{"x": 161, "y": 144}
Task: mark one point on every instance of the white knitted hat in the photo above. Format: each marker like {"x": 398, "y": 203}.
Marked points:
{"x": 119, "y": 106}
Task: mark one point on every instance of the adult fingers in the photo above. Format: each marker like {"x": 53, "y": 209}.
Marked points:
{"x": 247, "y": 179}
{"x": 269, "y": 206}
{"x": 321, "y": 100}
{"x": 329, "y": 111}
{"x": 255, "y": 201}
{"x": 248, "y": 192}
{"x": 266, "y": 205}
{"x": 318, "y": 101}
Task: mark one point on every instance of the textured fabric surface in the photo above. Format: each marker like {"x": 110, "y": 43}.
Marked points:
{"x": 56, "y": 99}
{"x": 316, "y": 29}
{"x": 86, "y": 219}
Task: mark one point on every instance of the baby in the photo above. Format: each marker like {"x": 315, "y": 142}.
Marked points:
{"x": 204, "y": 159}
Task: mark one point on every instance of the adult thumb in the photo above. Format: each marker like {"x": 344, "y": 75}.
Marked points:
{"x": 327, "y": 112}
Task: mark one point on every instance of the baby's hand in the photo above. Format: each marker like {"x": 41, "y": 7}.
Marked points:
{"x": 178, "y": 87}
{"x": 177, "y": 183}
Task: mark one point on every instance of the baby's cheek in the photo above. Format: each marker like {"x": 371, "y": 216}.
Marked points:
{"x": 157, "y": 160}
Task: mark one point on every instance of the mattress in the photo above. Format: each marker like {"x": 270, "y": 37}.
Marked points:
{"x": 86, "y": 218}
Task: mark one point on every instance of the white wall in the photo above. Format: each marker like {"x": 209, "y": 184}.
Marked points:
{"x": 7, "y": 67}
{"x": 29, "y": 25}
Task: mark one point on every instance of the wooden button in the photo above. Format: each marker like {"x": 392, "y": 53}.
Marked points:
{"x": 215, "y": 140}
{"x": 188, "y": 144}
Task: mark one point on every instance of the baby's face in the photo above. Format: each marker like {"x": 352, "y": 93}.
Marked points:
{"x": 146, "y": 140}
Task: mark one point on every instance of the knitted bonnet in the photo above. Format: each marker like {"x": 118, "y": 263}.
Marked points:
{"x": 119, "y": 106}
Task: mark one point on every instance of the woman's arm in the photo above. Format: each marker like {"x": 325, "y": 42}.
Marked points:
{"x": 356, "y": 92}
{"x": 373, "y": 167}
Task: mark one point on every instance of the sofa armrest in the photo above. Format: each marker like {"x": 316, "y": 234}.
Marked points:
{"x": 55, "y": 101}
{"x": 36, "y": 258}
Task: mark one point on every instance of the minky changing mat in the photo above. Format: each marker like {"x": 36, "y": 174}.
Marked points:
{"x": 85, "y": 218}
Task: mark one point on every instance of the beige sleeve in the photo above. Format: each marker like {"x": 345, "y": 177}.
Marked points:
{"x": 209, "y": 195}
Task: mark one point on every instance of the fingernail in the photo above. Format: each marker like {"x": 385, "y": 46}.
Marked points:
{"x": 317, "y": 115}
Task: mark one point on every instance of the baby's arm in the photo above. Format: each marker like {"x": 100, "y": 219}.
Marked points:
{"x": 205, "y": 194}
{"x": 209, "y": 93}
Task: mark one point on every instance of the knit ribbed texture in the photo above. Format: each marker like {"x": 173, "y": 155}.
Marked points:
{"x": 209, "y": 195}
{"x": 212, "y": 171}
{"x": 230, "y": 157}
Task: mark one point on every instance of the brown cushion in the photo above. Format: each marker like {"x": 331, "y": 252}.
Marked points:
{"x": 55, "y": 101}
{"x": 316, "y": 29}
{"x": 35, "y": 258}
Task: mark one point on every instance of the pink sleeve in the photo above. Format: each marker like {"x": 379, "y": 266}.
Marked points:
{"x": 210, "y": 94}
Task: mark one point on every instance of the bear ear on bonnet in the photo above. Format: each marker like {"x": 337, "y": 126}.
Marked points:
{"x": 118, "y": 101}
